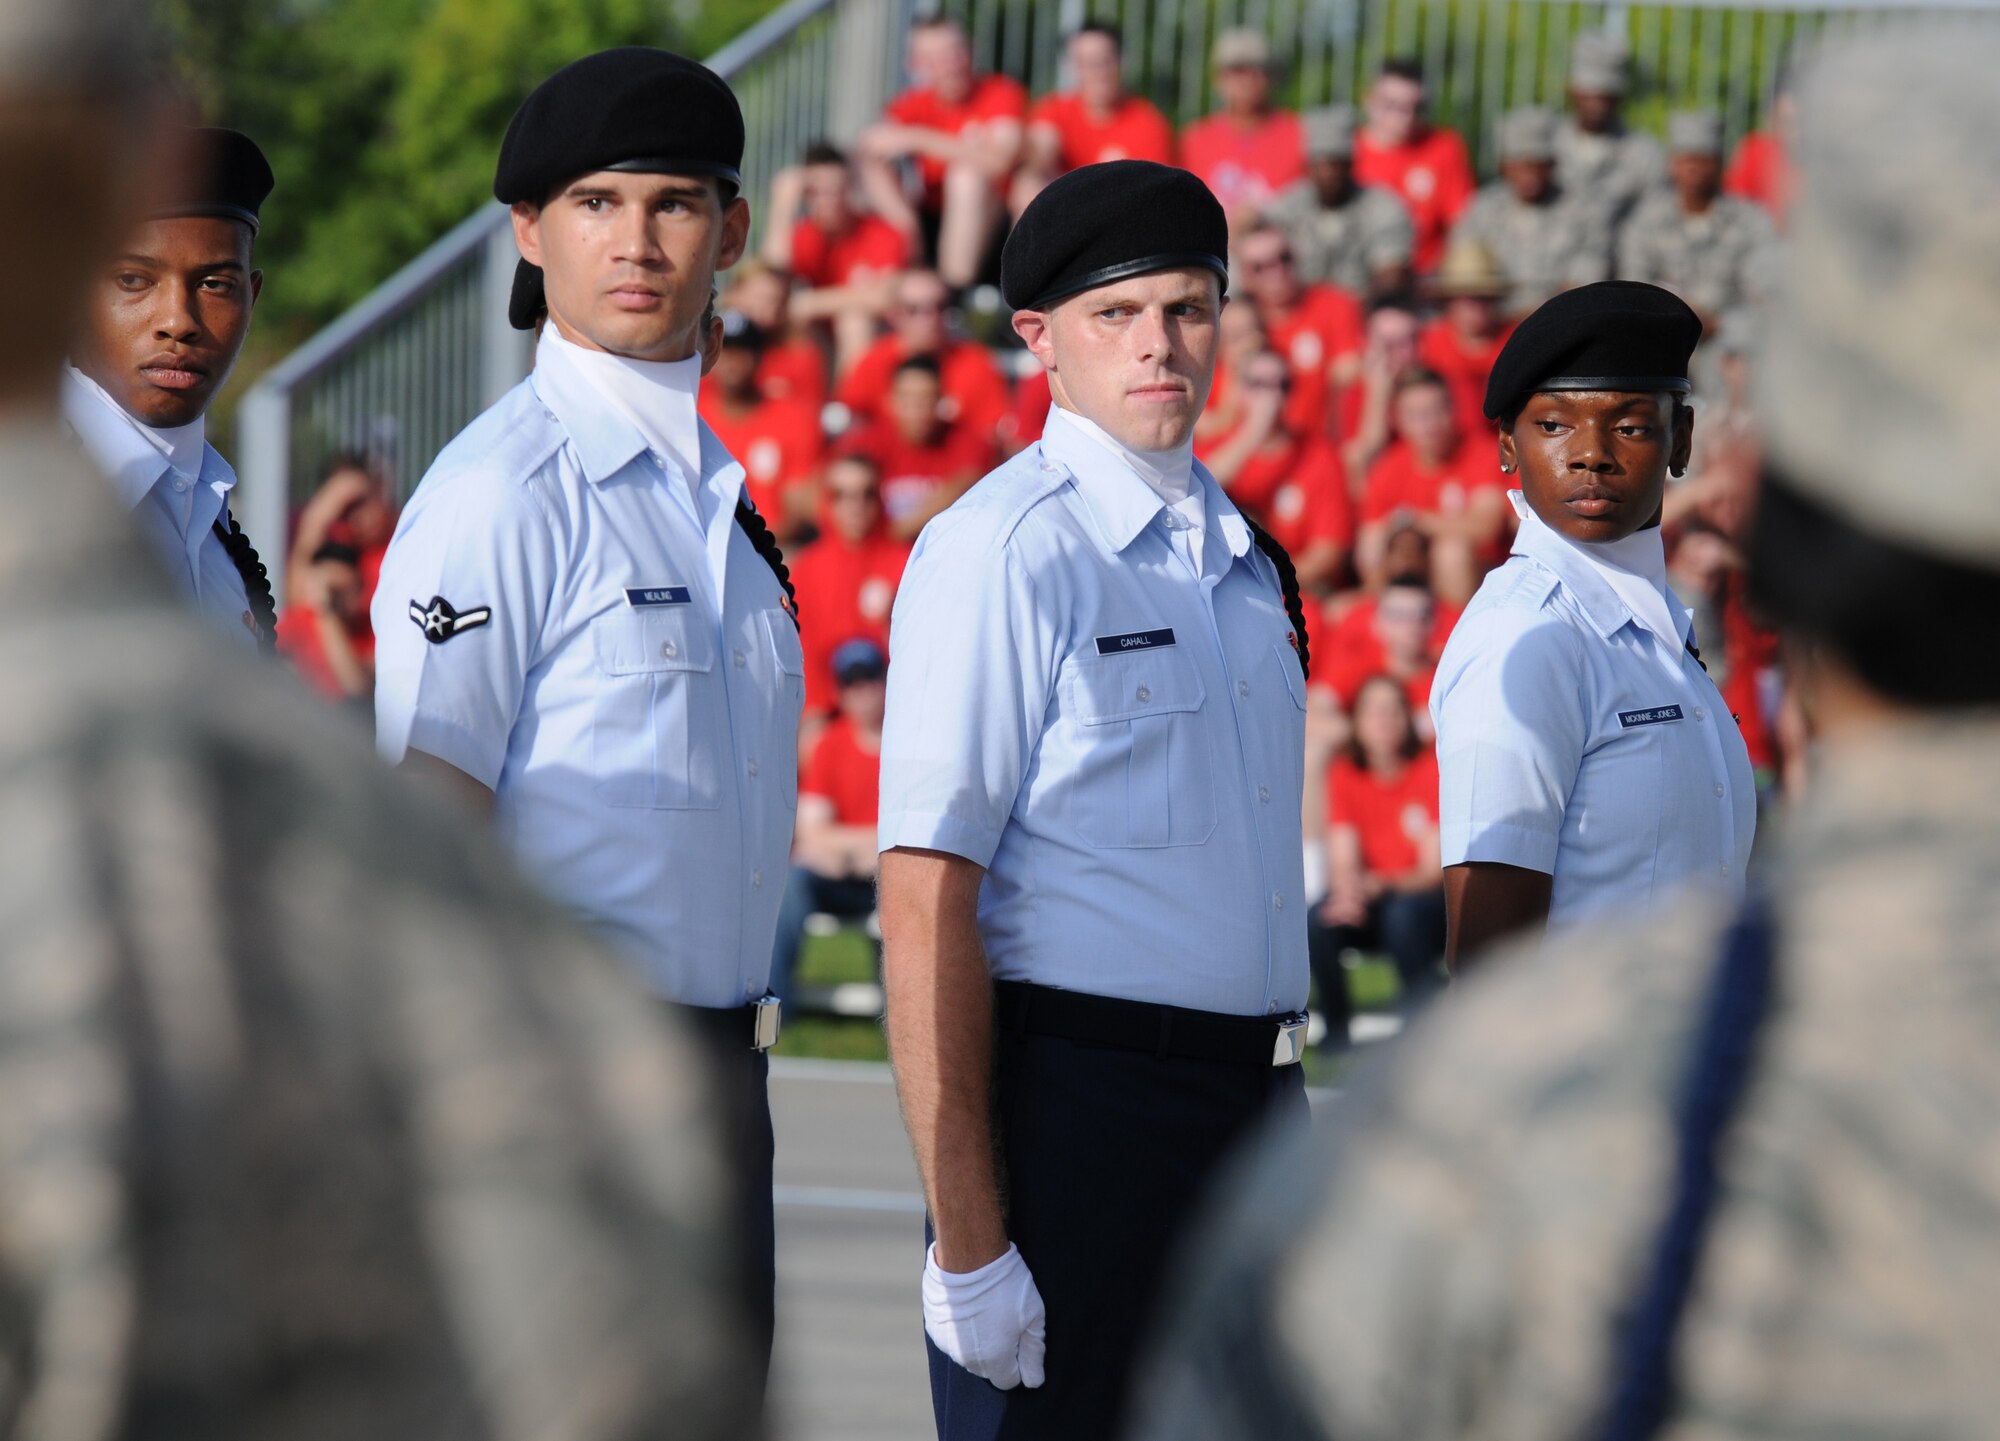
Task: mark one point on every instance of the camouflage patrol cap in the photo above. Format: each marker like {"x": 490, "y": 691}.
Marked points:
{"x": 1597, "y": 64}
{"x": 1694, "y": 132}
{"x": 1528, "y": 134}
{"x": 1330, "y": 132}
{"x": 1880, "y": 370}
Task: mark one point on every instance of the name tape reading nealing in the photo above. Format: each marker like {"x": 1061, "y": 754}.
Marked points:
{"x": 658, "y": 595}
{"x": 1658, "y": 715}
{"x": 1134, "y": 640}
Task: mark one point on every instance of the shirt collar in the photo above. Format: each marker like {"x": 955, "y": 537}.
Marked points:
{"x": 1580, "y": 575}
{"x": 133, "y": 455}
{"x": 1120, "y": 502}
{"x": 592, "y": 404}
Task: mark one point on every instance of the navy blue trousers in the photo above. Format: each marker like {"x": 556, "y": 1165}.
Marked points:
{"x": 1107, "y": 1153}
{"x": 741, "y": 1080}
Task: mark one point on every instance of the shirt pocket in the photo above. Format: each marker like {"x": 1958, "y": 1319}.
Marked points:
{"x": 1145, "y": 776}
{"x": 788, "y": 659}
{"x": 652, "y": 735}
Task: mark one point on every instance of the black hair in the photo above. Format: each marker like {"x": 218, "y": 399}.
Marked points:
{"x": 1412, "y": 744}
{"x": 1394, "y": 300}
{"x": 1915, "y": 627}
{"x": 337, "y": 551}
{"x": 1288, "y": 583}
{"x": 1101, "y": 27}
{"x": 345, "y": 460}
{"x": 766, "y": 544}
{"x": 1415, "y": 378}
{"x": 256, "y": 580}
{"x": 1403, "y": 67}
{"x": 928, "y": 364}
{"x": 825, "y": 152}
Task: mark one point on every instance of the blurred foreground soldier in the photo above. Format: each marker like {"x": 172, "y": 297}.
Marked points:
{"x": 1597, "y": 157}
{"x": 1716, "y": 252}
{"x": 1544, "y": 237}
{"x": 164, "y": 322}
{"x": 581, "y": 626}
{"x": 1715, "y": 1179}
{"x": 1346, "y": 234}
{"x": 1091, "y": 786}
{"x": 316, "y": 1125}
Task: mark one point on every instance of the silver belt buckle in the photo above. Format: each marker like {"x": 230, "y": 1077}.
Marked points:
{"x": 1290, "y": 1047}
{"x": 764, "y": 1031}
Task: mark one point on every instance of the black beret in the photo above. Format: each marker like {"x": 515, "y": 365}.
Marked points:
{"x": 227, "y": 176}
{"x": 1101, "y": 223}
{"x": 631, "y": 108}
{"x": 1614, "y": 335}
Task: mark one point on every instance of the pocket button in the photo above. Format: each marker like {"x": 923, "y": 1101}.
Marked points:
{"x": 1145, "y": 693}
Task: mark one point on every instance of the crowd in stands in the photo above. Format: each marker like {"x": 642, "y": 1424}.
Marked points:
{"x": 867, "y": 378}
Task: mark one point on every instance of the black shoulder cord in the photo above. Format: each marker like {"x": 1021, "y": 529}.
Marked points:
{"x": 759, "y": 535}
{"x": 1288, "y": 582}
{"x": 256, "y": 580}
{"x": 1720, "y": 1061}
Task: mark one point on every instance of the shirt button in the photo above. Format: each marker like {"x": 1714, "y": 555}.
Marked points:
{"x": 1277, "y": 900}
{"x": 1264, "y": 794}
{"x": 1243, "y": 688}
{"x": 1700, "y": 714}
{"x": 756, "y": 878}
{"x": 1145, "y": 693}
{"x": 1718, "y": 792}
{"x": 669, "y": 650}
{"x": 753, "y": 767}
{"x": 740, "y": 660}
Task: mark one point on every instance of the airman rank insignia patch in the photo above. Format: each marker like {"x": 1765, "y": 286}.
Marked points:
{"x": 441, "y": 620}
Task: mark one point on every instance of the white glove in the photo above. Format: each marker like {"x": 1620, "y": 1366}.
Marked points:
{"x": 990, "y": 1321}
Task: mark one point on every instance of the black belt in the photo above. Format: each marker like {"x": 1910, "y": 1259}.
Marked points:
{"x": 1163, "y": 1031}
{"x": 750, "y": 1027}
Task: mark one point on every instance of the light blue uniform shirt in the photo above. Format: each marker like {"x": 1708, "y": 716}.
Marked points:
{"x": 1119, "y": 743}
{"x": 621, "y": 672}
{"x": 1575, "y": 741}
{"x": 174, "y": 510}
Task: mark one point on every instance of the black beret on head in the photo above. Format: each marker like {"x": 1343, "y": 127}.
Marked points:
{"x": 1614, "y": 335}
{"x": 1101, "y": 223}
{"x": 632, "y": 108}
{"x": 227, "y": 176}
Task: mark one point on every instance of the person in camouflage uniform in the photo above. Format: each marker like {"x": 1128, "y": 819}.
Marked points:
{"x": 1545, "y": 237}
{"x": 1597, "y": 158}
{"x": 1463, "y": 1257}
{"x": 314, "y": 1124}
{"x": 1358, "y": 237}
{"x": 1713, "y": 250}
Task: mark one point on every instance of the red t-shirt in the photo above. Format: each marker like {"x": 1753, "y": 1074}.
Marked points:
{"x": 1391, "y": 817}
{"x": 1355, "y": 630}
{"x": 1464, "y": 369}
{"x": 1136, "y": 130}
{"x": 912, "y": 474}
{"x": 1325, "y": 325}
{"x": 1761, "y": 172}
{"x": 298, "y": 642}
{"x": 778, "y": 443}
{"x": 1030, "y": 412}
{"x": 845, "y": 592}
{"x": 830, "y": 261}
{"x": 1397, "y": 481}
{"x": 794, "y": 370}
{"x": 1245, "y": 167}
{"x": 993, "y": 97}
{"x": 1434, "y": 177}
{"x": 839, "y": 770}
{"x": 975, "y": 391}
{"x": 1349, "y": 670}
{"x": 1300, "y": 494}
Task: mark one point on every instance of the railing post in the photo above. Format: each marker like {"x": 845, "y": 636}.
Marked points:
{"x": 264, "y": 477}
{"x": 506, "y": 355}
{"x": 867, "y": 41}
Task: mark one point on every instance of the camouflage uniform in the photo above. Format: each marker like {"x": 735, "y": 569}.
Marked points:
{"x": 1718, "y": 260}
{"x": 1344, "y": 245}
{"x": 1611, "y": 172}
{"x": 1542, "y": 248}
{"x": 312, "y": 1123}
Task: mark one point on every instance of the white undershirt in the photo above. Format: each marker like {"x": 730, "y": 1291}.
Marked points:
{"x": 1168, "y": 473}
{"x": 1635, "y": 567}
{"x": 657, "y": 396}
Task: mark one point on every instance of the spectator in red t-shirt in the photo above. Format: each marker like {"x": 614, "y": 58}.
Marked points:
{"x": 1393, "y": 634}
{"x": 1292, "y": 483}
{"x": 1240, "y": 338}
{"x": 1317, "y": 328}
{"x": 350, "y": 508}
{"x": 1462, "y": 344}
{"x": 1761, "y": 169}
{"x": 975, "y": 392}
{"x": 843, "y": 260}
{"x": 1097, "y": 121}
{"x": 778, "y": 442}
{"x": 1446, "y": 484}
{"x": 833, "y": 845}
{"x": 794, "y": 366}
{"x": 926, "y": 461}
{"x": 1023, "y": 424}
{"x": 1428, "y": 167}
{"x": 323, "y": 630}
{"x": 963, "y": 131}
{"x": 847, "y": 579}
{"x": 1249, "y": 150}
{"x": 1384, "y": 884}
{"x": 1362, "y": 412}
